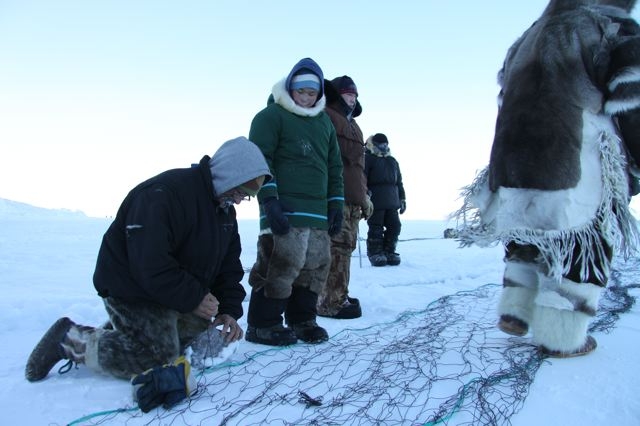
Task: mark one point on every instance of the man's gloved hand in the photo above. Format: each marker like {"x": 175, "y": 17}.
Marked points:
{"x": 335, "y": 221}
{"x": 403, "y": 206}
{"x": 367, "y": 210}
{"x": 274, "y": 210}
{"x": 166, "y": 385}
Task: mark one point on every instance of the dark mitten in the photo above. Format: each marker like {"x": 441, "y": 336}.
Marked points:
{"x": 335, "y": 221}
{"x": 403, "y": 206}
{"x": 367, "y": 210}
{"x": 166, "y": 385}
{"x": 274, "y": 210}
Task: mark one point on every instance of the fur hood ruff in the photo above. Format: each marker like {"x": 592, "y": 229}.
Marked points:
{"x": 282, "y": 97}
{"x": 373, "y": 149}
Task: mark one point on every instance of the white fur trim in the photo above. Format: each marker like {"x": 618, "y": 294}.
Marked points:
{"x": 522, "y": 273}
{"x": 587, "y": 292}
{"x": 91, "y": 357}
{"x": 482, "y": 220}
{"x": 617, "y": 107}
{"x": 559, "y": 329}
{"x": 627, "y": 75}
{"x": 557, "y": 293}
{"x": 284, "y": 99}
{"x": 546, "y": 210}
{"x": 554, "y": 300}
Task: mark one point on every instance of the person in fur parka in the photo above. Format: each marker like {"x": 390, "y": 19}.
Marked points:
{"x": 564, "y": 155}
{"x": 384, "y": 182}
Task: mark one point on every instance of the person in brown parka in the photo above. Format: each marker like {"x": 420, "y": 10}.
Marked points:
{"x": 342, "y": 107}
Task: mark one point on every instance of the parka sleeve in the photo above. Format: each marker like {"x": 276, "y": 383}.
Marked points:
{"x": 227, "y": 288}
{"x": 265, "y": 132}
{"x": 399, "y": 183}
{"x": 623, "y": 100}
{"x": 335, "y": 197}
{"x": 367, "y": 167}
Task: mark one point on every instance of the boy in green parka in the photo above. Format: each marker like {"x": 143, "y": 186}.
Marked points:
{"x": 299, "y": 209}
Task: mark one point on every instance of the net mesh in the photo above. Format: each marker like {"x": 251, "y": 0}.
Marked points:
{"x": 446, "y": 364}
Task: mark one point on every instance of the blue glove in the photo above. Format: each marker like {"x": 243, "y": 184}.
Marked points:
{"x": 335, "y": 221}
{"x": 166, "y": 385}
{"x": 403, "y": 206}
{"x": 274, "y": 210}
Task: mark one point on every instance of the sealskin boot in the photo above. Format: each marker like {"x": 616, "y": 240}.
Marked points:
{"x": 48, "y": 351}
{"x": 64, "y": 340}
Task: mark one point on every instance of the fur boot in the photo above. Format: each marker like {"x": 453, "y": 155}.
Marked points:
{"x": 375, "y": 252}
{"x": 520, "y": 283}
{"x": 561, "y": 317}
{"x": 393, "y": 258}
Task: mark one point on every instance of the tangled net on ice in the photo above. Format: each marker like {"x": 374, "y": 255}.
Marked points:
{"x": 446, "y": 364}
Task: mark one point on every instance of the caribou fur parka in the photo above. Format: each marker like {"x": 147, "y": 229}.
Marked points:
{"x": 567, "y": 140}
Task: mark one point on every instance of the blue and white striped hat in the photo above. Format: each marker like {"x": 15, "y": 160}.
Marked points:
{"x": 306, "y": 66}
{"x": 306, "y": 80}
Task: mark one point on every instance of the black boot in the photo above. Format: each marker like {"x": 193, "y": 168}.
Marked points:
{"x": 301, "y": 316}
{"x": 375, "y": 252}
{"x": 265, "y": 321}
{"x": 393, "y": 258}
{"x": 349, "y": 310}
{"x": 310, "y": 332}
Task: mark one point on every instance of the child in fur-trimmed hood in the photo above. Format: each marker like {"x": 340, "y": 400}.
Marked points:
{"x": 384, "y": 182}
{"x": 300, "y": 208}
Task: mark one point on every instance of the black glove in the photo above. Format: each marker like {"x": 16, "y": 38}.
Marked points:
{"x": 274, "y": 210}
{"x": 403, "y": 206}
{"x": 335, "y": 221}
{"x": 166, "y": 385}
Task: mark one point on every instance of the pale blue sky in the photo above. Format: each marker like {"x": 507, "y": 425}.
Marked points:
{"x": 96, "y": 96}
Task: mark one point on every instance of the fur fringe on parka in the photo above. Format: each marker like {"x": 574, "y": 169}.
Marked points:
{"x": 567, "y": 140}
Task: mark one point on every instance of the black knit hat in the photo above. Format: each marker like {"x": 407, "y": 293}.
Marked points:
{"x": 379, "y": 138}
{"x": 344, "y": 85}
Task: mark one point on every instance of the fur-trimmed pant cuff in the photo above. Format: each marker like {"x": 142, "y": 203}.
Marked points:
{"x": 92, "y": 352}
{"x": 569, "y": 295}
{"x": 521, "y": 274}
{"x": 517, "y": 302}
